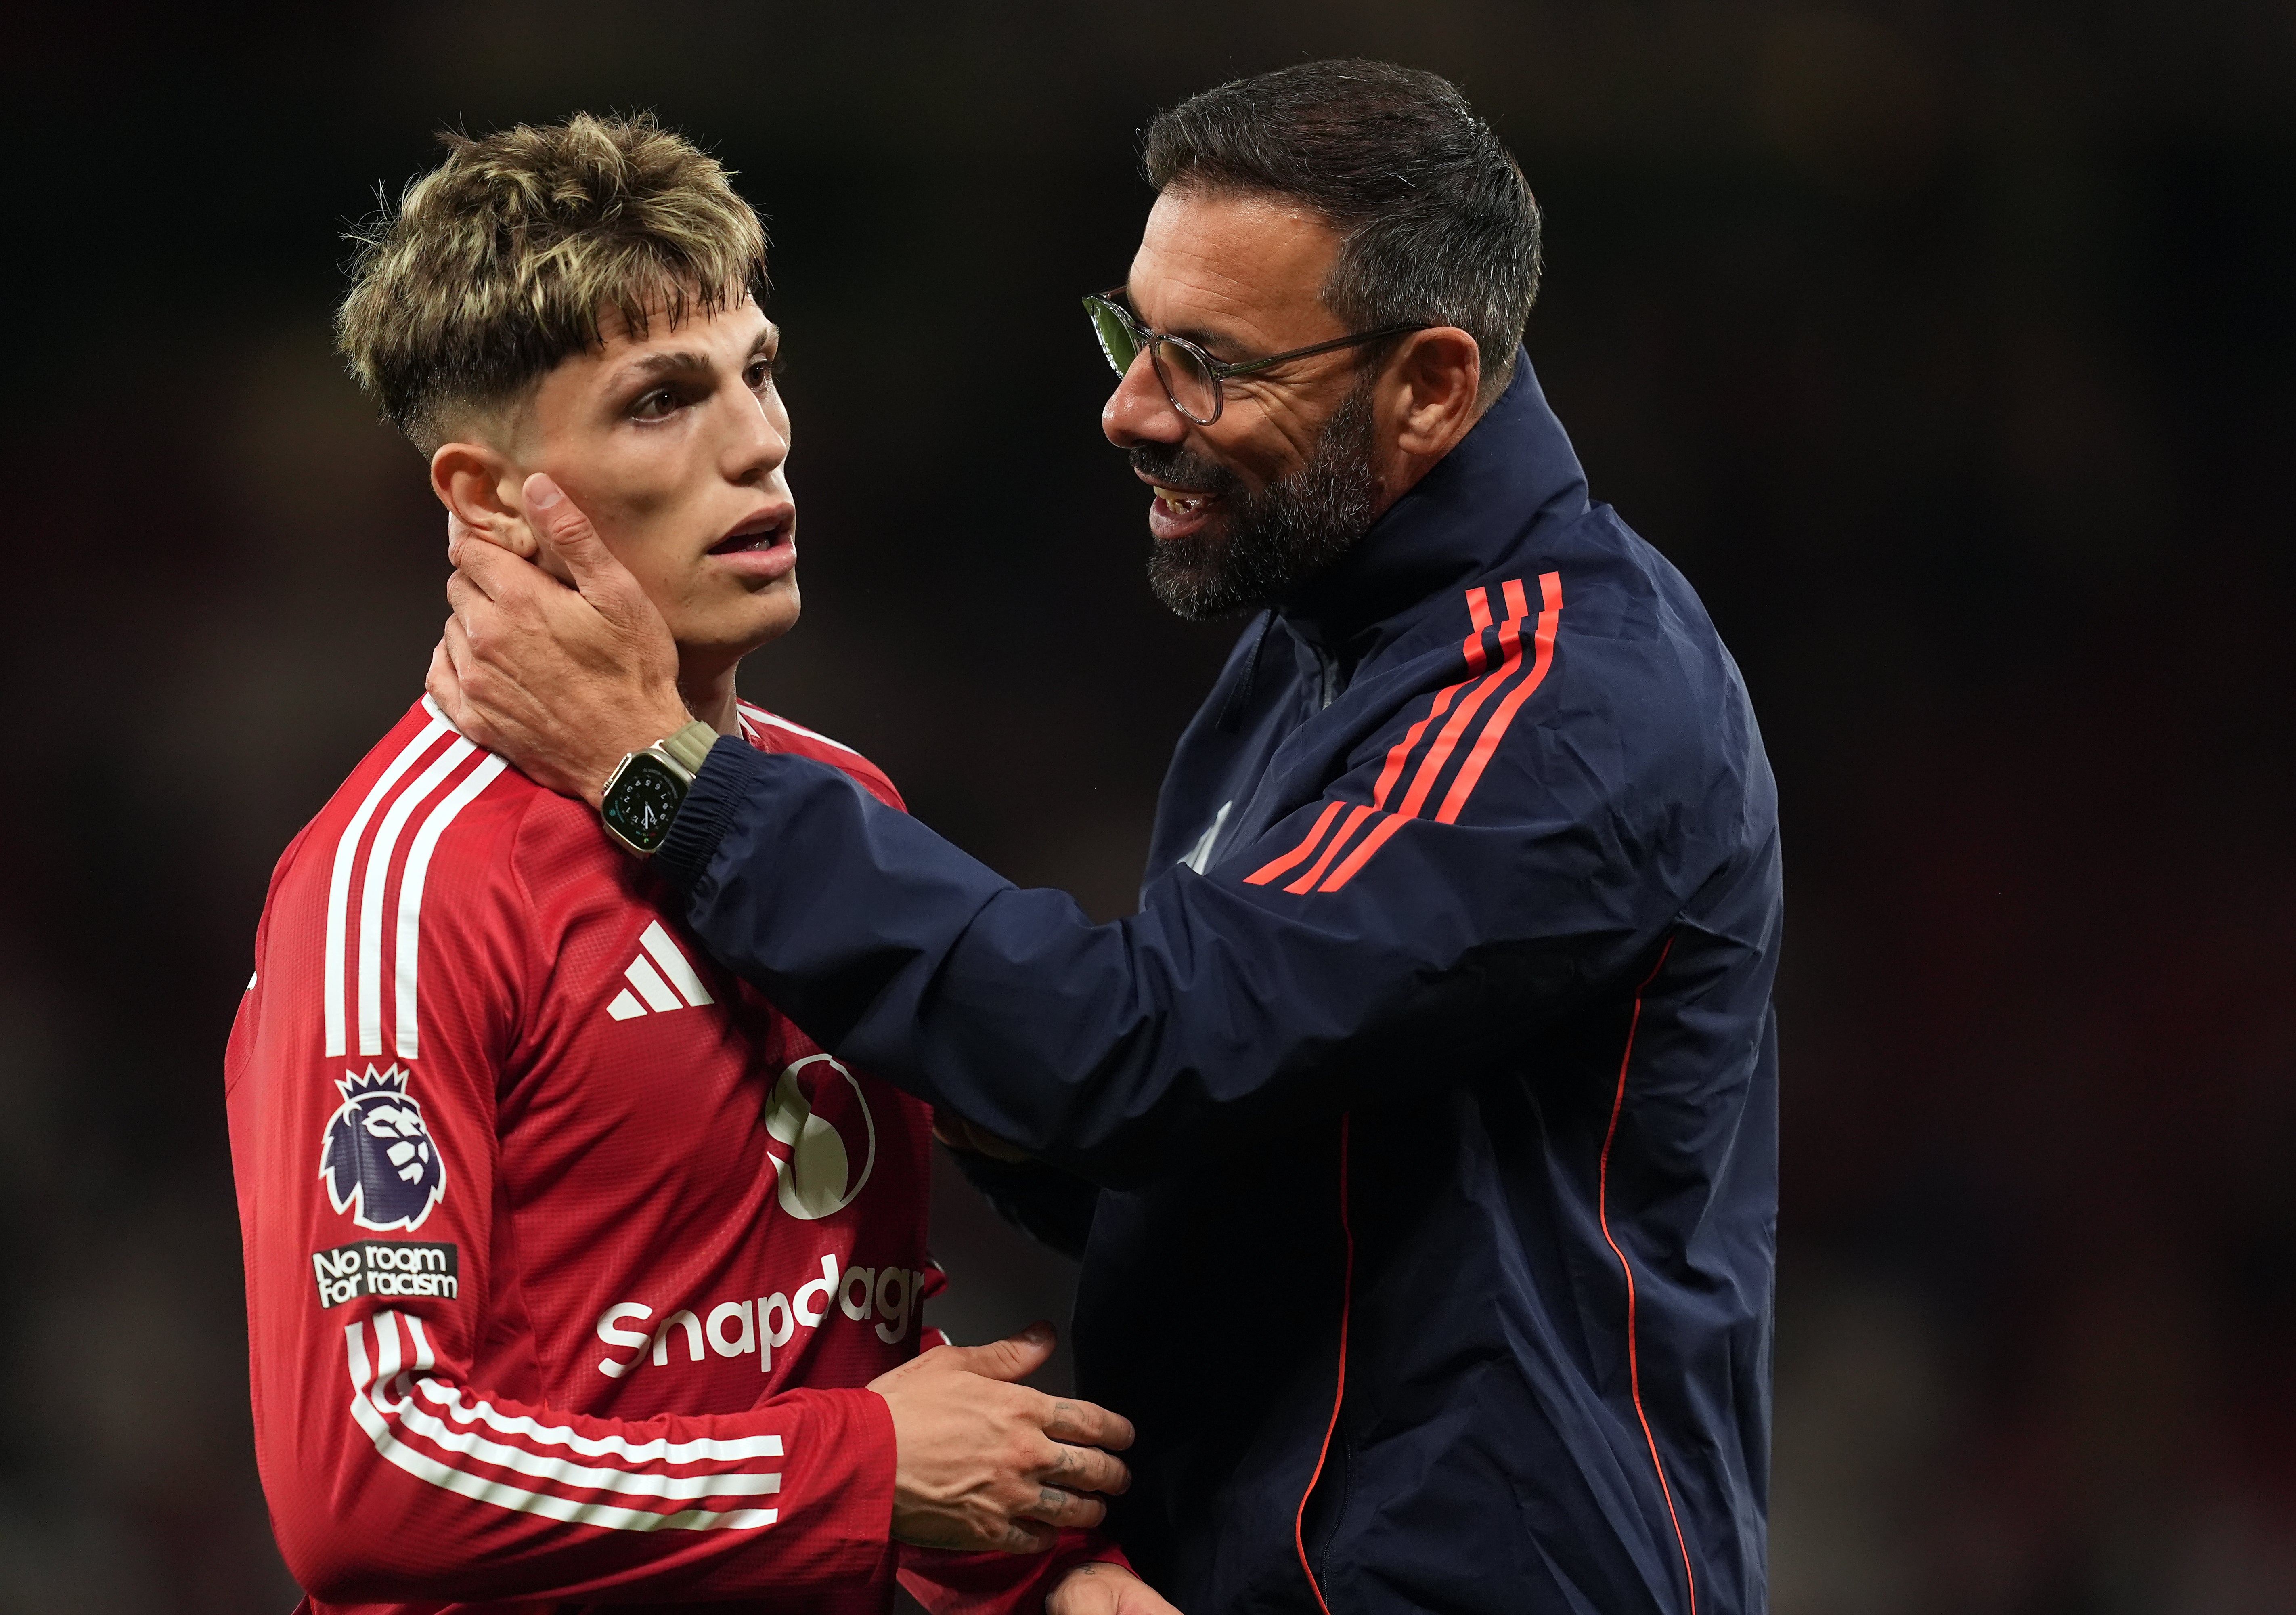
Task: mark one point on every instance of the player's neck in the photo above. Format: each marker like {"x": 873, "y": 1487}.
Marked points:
{"x": 709, "y": 696}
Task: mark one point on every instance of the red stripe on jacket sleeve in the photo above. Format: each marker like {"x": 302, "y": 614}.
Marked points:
{"x": 1479, "y": 616}
{"x": 1480, "y": 685}
{"x": 1354, "y": 820}
{"x": 1470, "y": 772}
{"x": 1267, "y": 872}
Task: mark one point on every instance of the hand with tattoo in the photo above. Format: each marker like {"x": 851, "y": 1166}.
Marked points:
{"x": 984, "y": 1463}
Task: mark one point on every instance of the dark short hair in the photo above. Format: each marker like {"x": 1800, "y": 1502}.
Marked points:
{"x": 1436, "y": 222}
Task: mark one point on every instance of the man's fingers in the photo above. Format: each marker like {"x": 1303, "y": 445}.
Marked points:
{"x": 441, "y": 683}
{"x": 1088, "y": 1424}
{"x": 457, "y": 532}
{"x": 958, "y": 1435}
{"x": 448, "y": 663}
{"x": 494, "y": 571}
{"x": 1105, "y": 1589}
{"x": 602, "y": 579}
{"x": 454, "y": 646}
{"x": 462, "y": 594}
{"x": 952, "y": 1536}
{"x": 1087, "y": 1469}
{"x": 1026, "y": 1536}
{"x": 1070, "y": 1510}
{"x": 561, "y": 524}
{"x": 1014, "y": 1357}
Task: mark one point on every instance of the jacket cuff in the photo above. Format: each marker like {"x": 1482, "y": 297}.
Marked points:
{"x": 1050, "y": 1204}
{"x": 726, "y": 776}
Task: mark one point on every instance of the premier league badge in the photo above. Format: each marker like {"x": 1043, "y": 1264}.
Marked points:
{"x": 379, "y": 1161}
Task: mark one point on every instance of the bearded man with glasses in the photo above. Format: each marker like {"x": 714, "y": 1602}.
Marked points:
{"x": 1418, "y": 1133}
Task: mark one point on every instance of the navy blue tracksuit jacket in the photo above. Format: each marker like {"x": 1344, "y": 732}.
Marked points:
{"x": 1419, "y": 1133}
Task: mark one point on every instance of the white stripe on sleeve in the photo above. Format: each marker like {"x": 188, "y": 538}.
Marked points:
{"x": 378, "y": 870}
{"x": 410, "y": 894}
{"x": 338, "y": 885}
{"x": 383, "y": 1410}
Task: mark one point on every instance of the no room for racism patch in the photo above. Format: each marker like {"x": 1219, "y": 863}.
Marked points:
{"x": 394, "y": 1268}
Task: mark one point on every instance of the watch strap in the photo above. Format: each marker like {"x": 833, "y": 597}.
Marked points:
{"x": 689, "y": 748}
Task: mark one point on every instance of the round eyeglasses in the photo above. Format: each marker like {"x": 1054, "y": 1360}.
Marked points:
{"x": 1192, "y": 377}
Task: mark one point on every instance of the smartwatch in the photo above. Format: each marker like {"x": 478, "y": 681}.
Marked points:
{"x": 647, "y": 787}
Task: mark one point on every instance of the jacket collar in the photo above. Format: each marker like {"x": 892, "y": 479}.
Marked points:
{"x": 1515, "y": 468}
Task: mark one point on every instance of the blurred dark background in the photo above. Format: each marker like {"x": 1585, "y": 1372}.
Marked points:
{"x": 1946, "y": 347}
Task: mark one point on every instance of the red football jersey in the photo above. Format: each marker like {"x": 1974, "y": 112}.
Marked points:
{"x": 567, "y": 1254}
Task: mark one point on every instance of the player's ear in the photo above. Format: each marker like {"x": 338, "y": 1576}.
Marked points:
{"x": 480, "y": 487}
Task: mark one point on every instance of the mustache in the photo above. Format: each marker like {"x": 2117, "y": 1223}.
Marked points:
{"x": 1170, "y": 464}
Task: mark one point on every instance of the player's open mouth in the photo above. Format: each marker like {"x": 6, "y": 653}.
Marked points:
{"x": 761, "y": 531}
{"x": 764, "y": 547}
{"x": 1177, "y": 501}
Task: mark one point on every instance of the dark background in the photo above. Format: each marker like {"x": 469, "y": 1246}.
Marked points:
{"x": 1947, "y": 348}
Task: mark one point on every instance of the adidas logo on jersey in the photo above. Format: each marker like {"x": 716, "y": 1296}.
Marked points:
{"x": 660, "y": 979}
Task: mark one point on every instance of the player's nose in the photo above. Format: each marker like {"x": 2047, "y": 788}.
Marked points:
{"x": 758, "y": 446}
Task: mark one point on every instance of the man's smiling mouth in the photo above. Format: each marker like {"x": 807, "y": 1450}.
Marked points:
{"x": 1175, "y": 509}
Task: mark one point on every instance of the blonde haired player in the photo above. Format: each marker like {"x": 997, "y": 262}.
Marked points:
{"x": 576, "y": 1271}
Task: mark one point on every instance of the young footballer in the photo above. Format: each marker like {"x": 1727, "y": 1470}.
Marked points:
{"x": 576, "y": 1272}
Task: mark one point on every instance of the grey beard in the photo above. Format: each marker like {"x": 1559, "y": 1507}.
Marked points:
{"x": 1273, "y": 540}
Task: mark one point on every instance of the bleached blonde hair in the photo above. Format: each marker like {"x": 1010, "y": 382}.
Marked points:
{"x": 497, "y": 262}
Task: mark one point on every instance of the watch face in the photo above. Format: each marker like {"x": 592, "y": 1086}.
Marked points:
{"x": 644, "y": 800}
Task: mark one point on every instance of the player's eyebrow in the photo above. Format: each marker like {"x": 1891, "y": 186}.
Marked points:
{"x": 678, "y": 361}
{"x": 683, "y": 361}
